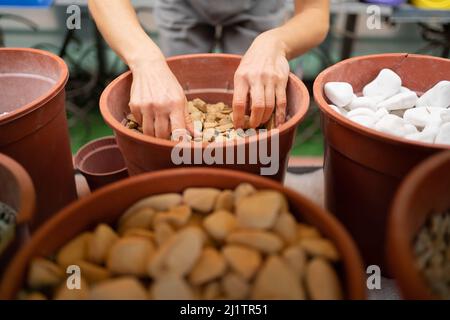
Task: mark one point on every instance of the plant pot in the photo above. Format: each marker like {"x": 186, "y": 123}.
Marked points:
{"x": 209, "y": 77}
{"x": 108, "y": 203}
{"x": 16, "y": 191}
{"x": 101, "y": 162}
{"x": 34, "y": 132}
{"x": 424, "y": 192}
{"x": 364, "y": 167}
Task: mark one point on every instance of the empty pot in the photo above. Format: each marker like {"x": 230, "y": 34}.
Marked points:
{"x": 208, "y": 77}
{"x": 33, "y": 125}
{"x": 107, "y": 204}
{"x": 424, "y": 192}
{"x": 101, "y": 162}
{"x": 363, "y": 167}
{"x": 17, "y": 192}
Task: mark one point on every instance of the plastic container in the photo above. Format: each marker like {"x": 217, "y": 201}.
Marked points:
{"x": 34, "y": 131}
{"x": 363, "y": 167}
{"x": 16, "y": 191}
{"x": 425, "y": 191}
{"x": 108, "y": 203}
{"x": 101, "y": 162}
{"x": 209, "y": 77}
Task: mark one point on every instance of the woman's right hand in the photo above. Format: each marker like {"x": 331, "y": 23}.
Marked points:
{"x": 157, "y": 100}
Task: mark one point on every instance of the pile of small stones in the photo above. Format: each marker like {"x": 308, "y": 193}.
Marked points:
{"x": 432, "y": 249}
{"x": 387, "y": 106}
{"x": 205, "y": 243}
{"x": 212, "y": 122}
{"x": 7, "y": 225}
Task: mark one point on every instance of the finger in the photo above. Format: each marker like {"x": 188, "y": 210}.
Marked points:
{"x": 239, "y": 102}
{"x": 162, "y": 129}
{"x": 281, "y": 102}
{"x": 148, "y": 123}
{"x": 177, "y": 122}
{"x": 269, "y": 93}
{"x": 258, "y": 105}
{"x": 188, "y": 120}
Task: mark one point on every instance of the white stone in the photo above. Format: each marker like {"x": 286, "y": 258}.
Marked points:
{"x": 443, "y": 136}
{"x": 380, "y": 113}
{"x": 410, "y": 129}
{"x": 404, "y": 89}
{"x": 337, "y": 109}
{"x": 385, "y": 85}
{"x": 428, "y": 134}
{"x": 438, "y": 96}
{"x": 364, "y": 120}
{"x": 445, "y": 115}
{"x": 421, "y": 117}
{"x": 391, "y": 124}
{"x": 339, "y": 93}
{"x": 361, "y": 111}
{"x": 362, "y": 102}
{"x": 400, "y": 101}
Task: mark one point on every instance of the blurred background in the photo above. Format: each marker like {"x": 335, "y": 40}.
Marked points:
{"x": 357, "y": 28}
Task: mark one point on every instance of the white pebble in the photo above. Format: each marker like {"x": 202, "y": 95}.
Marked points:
{"x": 385, "y": 85}
{"x": 428, "y": 134}
{"x": 421, "y": 117}
{"x": 400, "y": 101}
{"x": 391, "y": 124}
{"x": 438, "y": 96}
{"x": 339, "y": 93}
{"x": 443, "y": 137}
{"x": 404, "y": 89}
{"x": 364, "y": 120}
{"x": 445, "y": 115}
{"x": 410, "y": 129}
{"x": 380, "y": 113}
{"x": 362, "y": 102}
{"x": 337, "y": 109}
{"x": 361, "y": 111}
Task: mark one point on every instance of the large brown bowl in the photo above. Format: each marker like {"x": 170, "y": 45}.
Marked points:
{"x": 364, "y": 167}
{"x": 424, "y": 192}
{"x": 17, "y": 191}
{"x": 209, "y": 77}
{"x": 107, "y": 204}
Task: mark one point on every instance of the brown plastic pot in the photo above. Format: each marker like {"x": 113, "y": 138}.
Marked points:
{"x": 34, "y": 132}
{"x": 209, "y": 77}
{"x": 364, "y": 167}
{"x": 424, "y": 192}
{"x": 101, "y": 162}
{"x": 108, "y": 203}
{"x": 16, "y": 190}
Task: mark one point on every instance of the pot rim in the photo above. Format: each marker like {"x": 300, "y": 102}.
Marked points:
{"x": 354, "y": 279}
{"x": 97, "y": 174}
{"x": 26, "y": 189}
{"x": 119, "y": 128}
{"x": 322, "y": 103}
{"x": 47, "y": 96}
{"x": 398, "y": 246}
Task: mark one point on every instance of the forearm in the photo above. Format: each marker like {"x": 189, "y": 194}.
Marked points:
{"x": 307, "y": 29}
{"x": 119, "y": 25}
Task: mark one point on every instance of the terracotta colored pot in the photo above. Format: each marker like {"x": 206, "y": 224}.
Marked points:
{"x": 425, "y": 191}
{"x": 101, "y": 162}
{"x": 34, "y": 132}
{"x": 16, "y": 190}
{"x": 363, "y": 167}
{"x": 209, "y": 77}
{"x": 108, "y": 203}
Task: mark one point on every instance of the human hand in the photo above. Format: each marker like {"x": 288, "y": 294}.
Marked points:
{"x": 263, "y": 74}
{"x": 157, "y": 100}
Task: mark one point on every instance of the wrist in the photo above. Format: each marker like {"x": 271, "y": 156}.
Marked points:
{"x": 146, "y": 55}
{"x": 276, "y": 39}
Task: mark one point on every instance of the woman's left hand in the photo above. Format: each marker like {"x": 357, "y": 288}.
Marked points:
{"x": 263, "y": 75}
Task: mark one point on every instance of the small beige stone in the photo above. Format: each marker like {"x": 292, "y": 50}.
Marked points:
{"x": 93, "y": 273}
{"x": 201, "y": 199}
{"x": 179, "y": 254}
{"x": 210, "y": 265}
{"x": 320, "y": 247}
{"x": 263, "y": 241}
{"x": 199, "y": 104}
{"x": 163, "y": 232}
{"x": 306, "y": 231}
{"x": 76, "y": 249}
{"x": 235, "y": 286}
{"x": 123, "y": 288}
{"x": 129, "y": 256}
{"x": 160, "y": 202}
{"x": 296, "y": 258}
{"x": 224, "y": 201}
{"x": 140, "y": 218}
{"x": 224, "y": 127}
{"x": 259, "y": 210}
{"x": 322, "y": 281}
{"x": 211, "y": 291}
{"x": 219, "y": 224}
{"x": 171, "y": 287}
{"x": 140, "y": 233}
{"x": 243, "y": 190}
{"x": 286, "y": 227}
{"x": 177, "y": 216}
{"x": 277, "y": 281}
{"x": 36, "y": 295}
{"x": 64, "y": 293}
{"x": 99, "y": 244}
{"x": 244, "y": 261}
{"x": 44, "y": 273}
